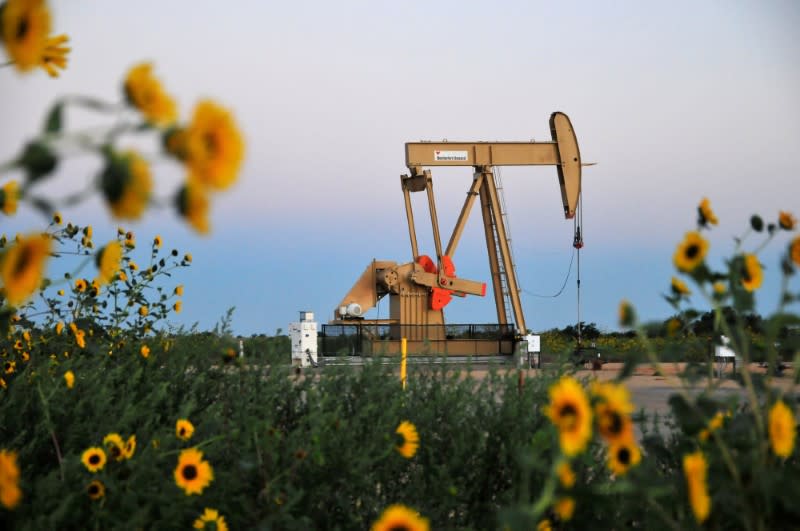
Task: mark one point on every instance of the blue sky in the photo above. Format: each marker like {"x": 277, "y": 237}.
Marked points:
{"x": 674, "y": 101}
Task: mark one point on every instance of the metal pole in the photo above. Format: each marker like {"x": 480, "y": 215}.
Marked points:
{"x": 579, "y": 297}
{"x": 403, "y": 356}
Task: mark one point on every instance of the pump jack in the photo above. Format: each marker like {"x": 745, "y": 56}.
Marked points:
{"x": 419, "y": 290}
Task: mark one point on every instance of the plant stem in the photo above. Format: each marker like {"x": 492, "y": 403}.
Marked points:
{"x": 46, "y": 409}
{"x": 663, "y": 514}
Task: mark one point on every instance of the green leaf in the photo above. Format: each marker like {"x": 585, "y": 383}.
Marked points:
{"x": 685, "y": 414}
{"x": 54, "y": 119}
{"x": 38, "y": 160}
{"x": 631, "y": 361}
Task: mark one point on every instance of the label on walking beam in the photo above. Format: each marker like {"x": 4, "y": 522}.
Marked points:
{"x": 455, "y": 156}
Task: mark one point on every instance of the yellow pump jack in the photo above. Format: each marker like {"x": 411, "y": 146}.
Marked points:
{"x": 419, "y": 290}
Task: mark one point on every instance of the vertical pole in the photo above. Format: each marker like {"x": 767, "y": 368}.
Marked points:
{"x": 579, "y": 297}
{"x": 403, "y": 356}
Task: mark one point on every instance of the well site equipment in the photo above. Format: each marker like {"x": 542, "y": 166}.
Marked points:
{"x": 303, "y": 335}
{"x": 420, "y": 290}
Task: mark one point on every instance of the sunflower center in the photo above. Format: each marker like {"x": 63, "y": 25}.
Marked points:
{"x": 399, "y": 527}
{"x": 400, "y": 439}
{"x": 182, "y": 432}
{"x": 94, "y": 459}
{"x": 615, "y": 424}
{"x": 115, "y": 451}
{"x": 692, "y": 251}
{"x": 624, "y": 456}
{"x": 189, "y": 472}
{"x": 568, "y": 415}
{"x": 22, "y": 28}
{"x": 210, "y": 141}
{"x": 93, "y": 490}
{"x": 25, "y": 256}
{"x": 746, "y": 276}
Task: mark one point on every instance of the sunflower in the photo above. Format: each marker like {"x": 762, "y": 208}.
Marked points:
{"x": 143, "y": 311}
{"x": 115, "y": 445}
{"x": 192, "y": 473}
{"x": 408, "y": 442}
{"x": 157, "y": 241}
{"x": 613, "y": 411}
{"x": 399, "y": 517}
{"x": 622, "y": 455}
{"x": 786, "y": 220}
{"x": 782, "y": 428}
{"x": 213, "y": 146}
{"x": 564, "y": 508}
{"x": 69, "y": 378}
{"x": 569, "y": 410}
{"x": 544, "y": 525}
{"x": 144, "y": 91}
{"x": 80, "y": 285}
{"x": 108, "y": 261}
{"x": 54, "y": 55}
{"x": 714, "y": 424}
{"x": 96, "y": 489}
{"x": 80, "y": 338}
{"x": 627, "y": 315}
{"x": 187, "y": 258}
{"x": 679, "y": 287}
{"x": 694, "y": 469}
{"x": 144, "y": 351}
{"x": 130, "y": 447}
{"x": 25, "y": 27}
{"x": 690, "y": 252}
{"x": 174, "y": 142}
{"x": 674, "y": 325}
{"x": 192, "y": 203}
{"x": 794, "y": 250}
{"x": 126, "y": 183}
{"x": 705, "y": 215}
{"x": 10, "y": 493}
{"x": 752, "y": 275}
{"x": 565, "y": 474}
{"x": 719, "y": 288}
{"x": 211, "y": 516}
{"x": 184, "y": 429}
{"x": 94, "y": 459}
{"x": 9, "y": 195}
{"x": 10, "y": 367}
{"x": 22, "y": 267}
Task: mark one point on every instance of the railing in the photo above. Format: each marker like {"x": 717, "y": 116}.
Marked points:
{"x": 383, "y": 339}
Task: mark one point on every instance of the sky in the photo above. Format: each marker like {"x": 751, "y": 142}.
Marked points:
{"x": 674, "y": 101}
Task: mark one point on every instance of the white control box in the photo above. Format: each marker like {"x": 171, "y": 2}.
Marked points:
{"x": 303, "y": 335}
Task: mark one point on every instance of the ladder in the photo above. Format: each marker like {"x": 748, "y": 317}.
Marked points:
{"x": 503, "y": 270}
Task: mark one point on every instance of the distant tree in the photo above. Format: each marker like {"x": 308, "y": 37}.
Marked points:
{"x": 588, "y": 331}
{"x": 704, "y": 325}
